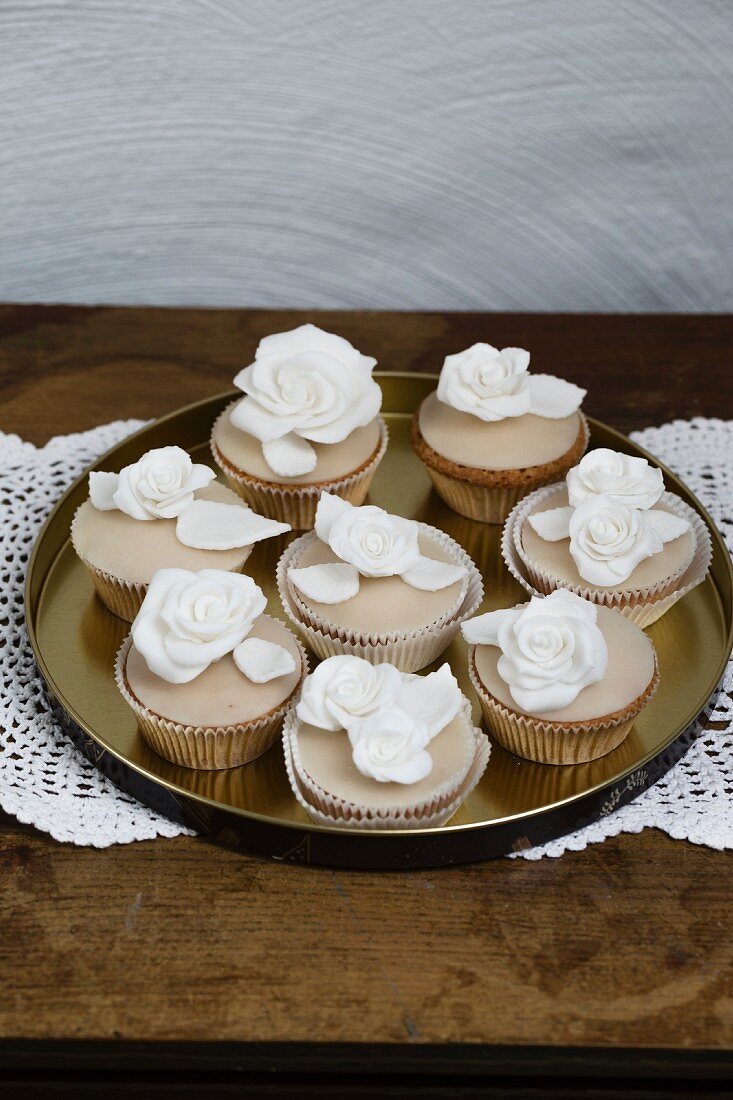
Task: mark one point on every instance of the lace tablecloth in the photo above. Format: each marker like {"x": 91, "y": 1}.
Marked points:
{"x": 46, "y": 782}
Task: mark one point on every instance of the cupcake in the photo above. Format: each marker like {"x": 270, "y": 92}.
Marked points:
{"x": 309, "y": 422}
{"x": 208, "y": 675}
{"x": 610, "y": 534}
{"x": 369, "y": 747}
{"x": 492, "y": 432}
{"x": 376, "y": 586}
{"x": 560, "y": 680}
{"x": 163, "y": 511}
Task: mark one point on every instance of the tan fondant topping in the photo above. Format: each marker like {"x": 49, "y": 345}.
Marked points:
{"x": 629, "y": 673}
{"x": 222, "y": 695}
{"x": 554, "y": 557}
{"x": 511, "y": 444}
{"x": 326, "y": 757}
{"x": 383, "y": 604}
{"x": 334, "y": 460}
{"x": 134, "y": 549}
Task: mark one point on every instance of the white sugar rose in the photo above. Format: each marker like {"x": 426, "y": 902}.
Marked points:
{"x": 160, "y": 485}
{"x": 305, "y": 384}
{"x": 189, "y": 620}
{"x": 343, "y": 689}
{"x": 608, "y": 539}
{"x": 494, "y": 384}
{"x": 551, "y": 649}
{"x": 629, "y": 479}
{"x": 390, "y": 746}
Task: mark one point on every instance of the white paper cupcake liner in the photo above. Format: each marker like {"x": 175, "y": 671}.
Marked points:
{"x": 327, "y": 809}
{"x": 209, "y": 748}
{"x": 409, "y": 651}
{"x": 643, "y": 606}
{"x": 487, "y": 503}
{"x": 296, "y": 504}
{"x": 548, "y": 742}
{"x": 124, "y": 598}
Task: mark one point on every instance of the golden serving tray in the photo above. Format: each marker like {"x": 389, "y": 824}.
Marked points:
{"x": 516, "y": 805}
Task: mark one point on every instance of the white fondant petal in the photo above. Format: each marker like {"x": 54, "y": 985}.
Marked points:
{"x": 333, "y": 583}
{"x": 552, "y": 525}
{"x": 102, "y": 487}
{"x": 554, "y": 398}
{"x": 249, "y": 416}
{"x": 430, "y": 575}
{"x": 666, "y": 525}
{"x": 330, "y": 508}
{"x": 434, "y": 700}
{"x": 261, "y": 661}
{"x": 210, "y": 525}
{"x": 290, "y": 456}
{"x": 484, "y": 629}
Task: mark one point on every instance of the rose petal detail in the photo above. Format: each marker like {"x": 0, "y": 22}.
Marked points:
{"x": 210, "y": 525}
{"x": 261, "y": 661}
{"x": 330, "y": 508}
{"x": 552, "y": 525}
{"x": 102, "y": 488}
{"x": 666, "y": 525}
{"x": 554, "y": 398}
{"x": 429, "y": 575}
{"x": 484, "y": 629}
{"x": 290, "y": 456}
{"x": 333, "y": 583}
{"x": 434, "y": 700}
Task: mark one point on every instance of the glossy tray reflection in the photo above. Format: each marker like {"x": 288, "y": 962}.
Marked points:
{"x": 517, "y": 803}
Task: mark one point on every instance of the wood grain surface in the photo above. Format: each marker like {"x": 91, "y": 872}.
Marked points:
{"x": 625, "y": 945}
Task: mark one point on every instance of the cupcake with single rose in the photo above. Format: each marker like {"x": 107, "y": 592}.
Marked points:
{"x": 493, "y": 432}
{"x": 163, "y": 511}
{"x": 376, "y": 585}
{"x": 370, "y": 747}
{"x": 611, "y": 534}
{"x": 560, "y": 680}
{"x": 209, "y": 676}
{"x": 309, "y": 422}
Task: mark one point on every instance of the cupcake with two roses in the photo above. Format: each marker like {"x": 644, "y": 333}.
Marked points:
{"x": 560, "y": 680}
{"x": 493, "y": 432}
{"x": 208, "y": 675}
{"x": 308, "y": 423}
{"x": 163, "y": 511}
{"x": 377, "y": 586}
{"x": 370, "y": 747}
{"x": 611, "y": 534}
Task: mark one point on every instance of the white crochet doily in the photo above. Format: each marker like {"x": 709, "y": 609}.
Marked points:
{"x": 46, "y": 782}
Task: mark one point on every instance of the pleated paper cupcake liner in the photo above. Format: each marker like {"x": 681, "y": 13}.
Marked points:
{"x": 209, "y": 748}
{"x": 124, "y": 598}
{"x": 409, "y": 651}
{"x": 643, "y": 606}
{"x": 327, "y": 809}
{"x": 486, "y": 502}
{"x": 548, "y": 742}
{"x": 296, "y": 504}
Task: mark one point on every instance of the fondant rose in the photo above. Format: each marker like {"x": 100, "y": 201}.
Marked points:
{"x": 551, "y": 649}
{"x": 390, "y": 746}
{"x": 630, "y": 479}
{"x": 189, "y": 620}
{"x": 160, "y": 485}
{"x": 369, "y": 543}
{"x": 343, "y": 689}
{"x": 305, "y": 384}
{"x": 608, "y": 539}
{"x": 494, "y": 384}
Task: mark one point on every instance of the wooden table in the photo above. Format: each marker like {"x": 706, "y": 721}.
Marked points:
{"x": 218, "y": 974}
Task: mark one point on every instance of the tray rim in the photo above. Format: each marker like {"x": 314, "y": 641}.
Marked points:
{"x": 180, "y": 793}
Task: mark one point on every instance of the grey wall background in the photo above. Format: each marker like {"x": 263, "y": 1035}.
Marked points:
{"x": 487, "y": 154}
